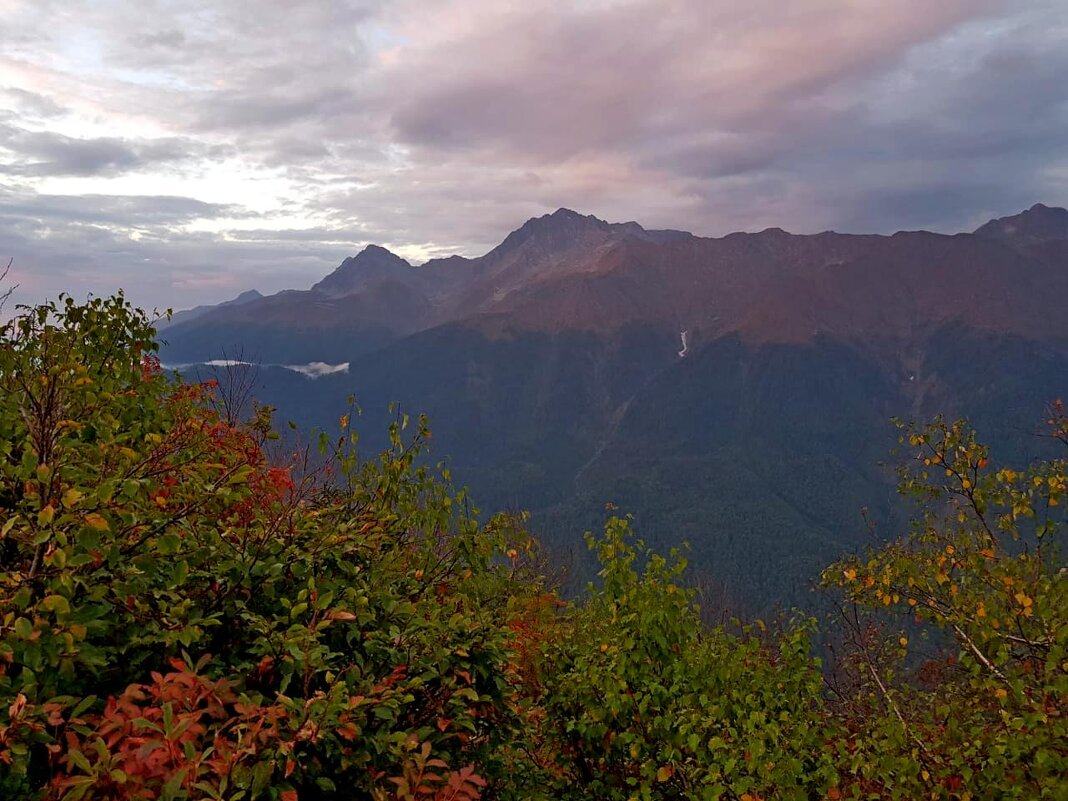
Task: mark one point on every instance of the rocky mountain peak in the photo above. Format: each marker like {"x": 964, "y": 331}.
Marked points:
{"x": 560, "y": 230}
{"x": 1040, "y": 223}
{"x": 247, "y": 297}
{"x": 373, "y": 263}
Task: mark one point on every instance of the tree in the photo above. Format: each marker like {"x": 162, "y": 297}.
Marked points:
{"x": 181, "y": 618}
{"x": 184, "y": 617}
{"x": 642, "y": 701}
{"x": 984, "y": 568}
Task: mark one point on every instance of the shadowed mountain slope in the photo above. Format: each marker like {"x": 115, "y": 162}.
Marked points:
{"x": 551, "y": 369}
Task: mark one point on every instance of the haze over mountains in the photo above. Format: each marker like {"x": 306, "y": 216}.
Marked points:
{"x": 733, "y": 392}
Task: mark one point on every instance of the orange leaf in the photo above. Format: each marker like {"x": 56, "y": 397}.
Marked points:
{"x": 96, "y": 521}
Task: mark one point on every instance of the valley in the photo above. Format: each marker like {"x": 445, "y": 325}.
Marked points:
{"x": 556, "y": 378}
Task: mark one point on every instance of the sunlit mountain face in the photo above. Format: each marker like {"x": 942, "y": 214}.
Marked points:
{"x": 734, "y": 392}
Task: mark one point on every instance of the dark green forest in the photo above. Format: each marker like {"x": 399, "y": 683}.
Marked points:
{"x": 196, "y": 606}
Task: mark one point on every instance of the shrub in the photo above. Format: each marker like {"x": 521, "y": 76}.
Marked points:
{"x": 984, "y": 569}
{"x": 181, "y": 618}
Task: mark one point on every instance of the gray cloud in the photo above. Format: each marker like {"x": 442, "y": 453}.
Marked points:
{"x": 31, "y": 104}
{"x": 226, "y": 145}
{"x": 130, "y": 210}
{"x": 96, "y": 244}
{"x": 46, "y": 153}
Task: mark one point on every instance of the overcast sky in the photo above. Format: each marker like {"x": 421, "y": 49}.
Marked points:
{"x": 187, "y": 151}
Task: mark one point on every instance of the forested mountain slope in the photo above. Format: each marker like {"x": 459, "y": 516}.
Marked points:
{"x": 735, "y": 392}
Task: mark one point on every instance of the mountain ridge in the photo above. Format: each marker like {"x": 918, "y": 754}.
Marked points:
{"x": 556, "y": 378}
{"x": 628, "y": 274}
{"x": 1040, "y": 223}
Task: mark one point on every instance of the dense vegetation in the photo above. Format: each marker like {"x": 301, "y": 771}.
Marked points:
{"x": 186, "y": 612}
{"x": 794, "y": 437}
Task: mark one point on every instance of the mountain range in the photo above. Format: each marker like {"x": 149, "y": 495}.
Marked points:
{"x": 731, "y": 392}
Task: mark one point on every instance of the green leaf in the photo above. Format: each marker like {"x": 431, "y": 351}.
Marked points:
{"x": 56, "y": 603}
{"x": 8, "y": 525}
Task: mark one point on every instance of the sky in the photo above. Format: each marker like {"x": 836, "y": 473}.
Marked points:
{"x": 187, "y": 151}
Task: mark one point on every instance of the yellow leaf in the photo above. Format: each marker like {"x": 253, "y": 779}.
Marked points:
{"x": 71, "y": 497}
{"x": 904, "y": 641}
{"x": 44, "y": 517}
{"x": 665, "y": 772}
{"x": 96, "y": 521}
{"x": 1000, "y": 692}
{"x": 851, "y": 574}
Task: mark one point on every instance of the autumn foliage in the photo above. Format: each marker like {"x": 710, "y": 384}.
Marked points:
{"x": 182, "y": 616}
{"x": 188, "y": 610}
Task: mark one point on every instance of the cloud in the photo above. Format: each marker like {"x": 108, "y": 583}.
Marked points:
{"x": 192, "y": 149}
{"x": 46, "y": 153}
{"x": 31, "y": 104}
{"x": 644, "y": 74}
{"x": 145, "y": 245}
